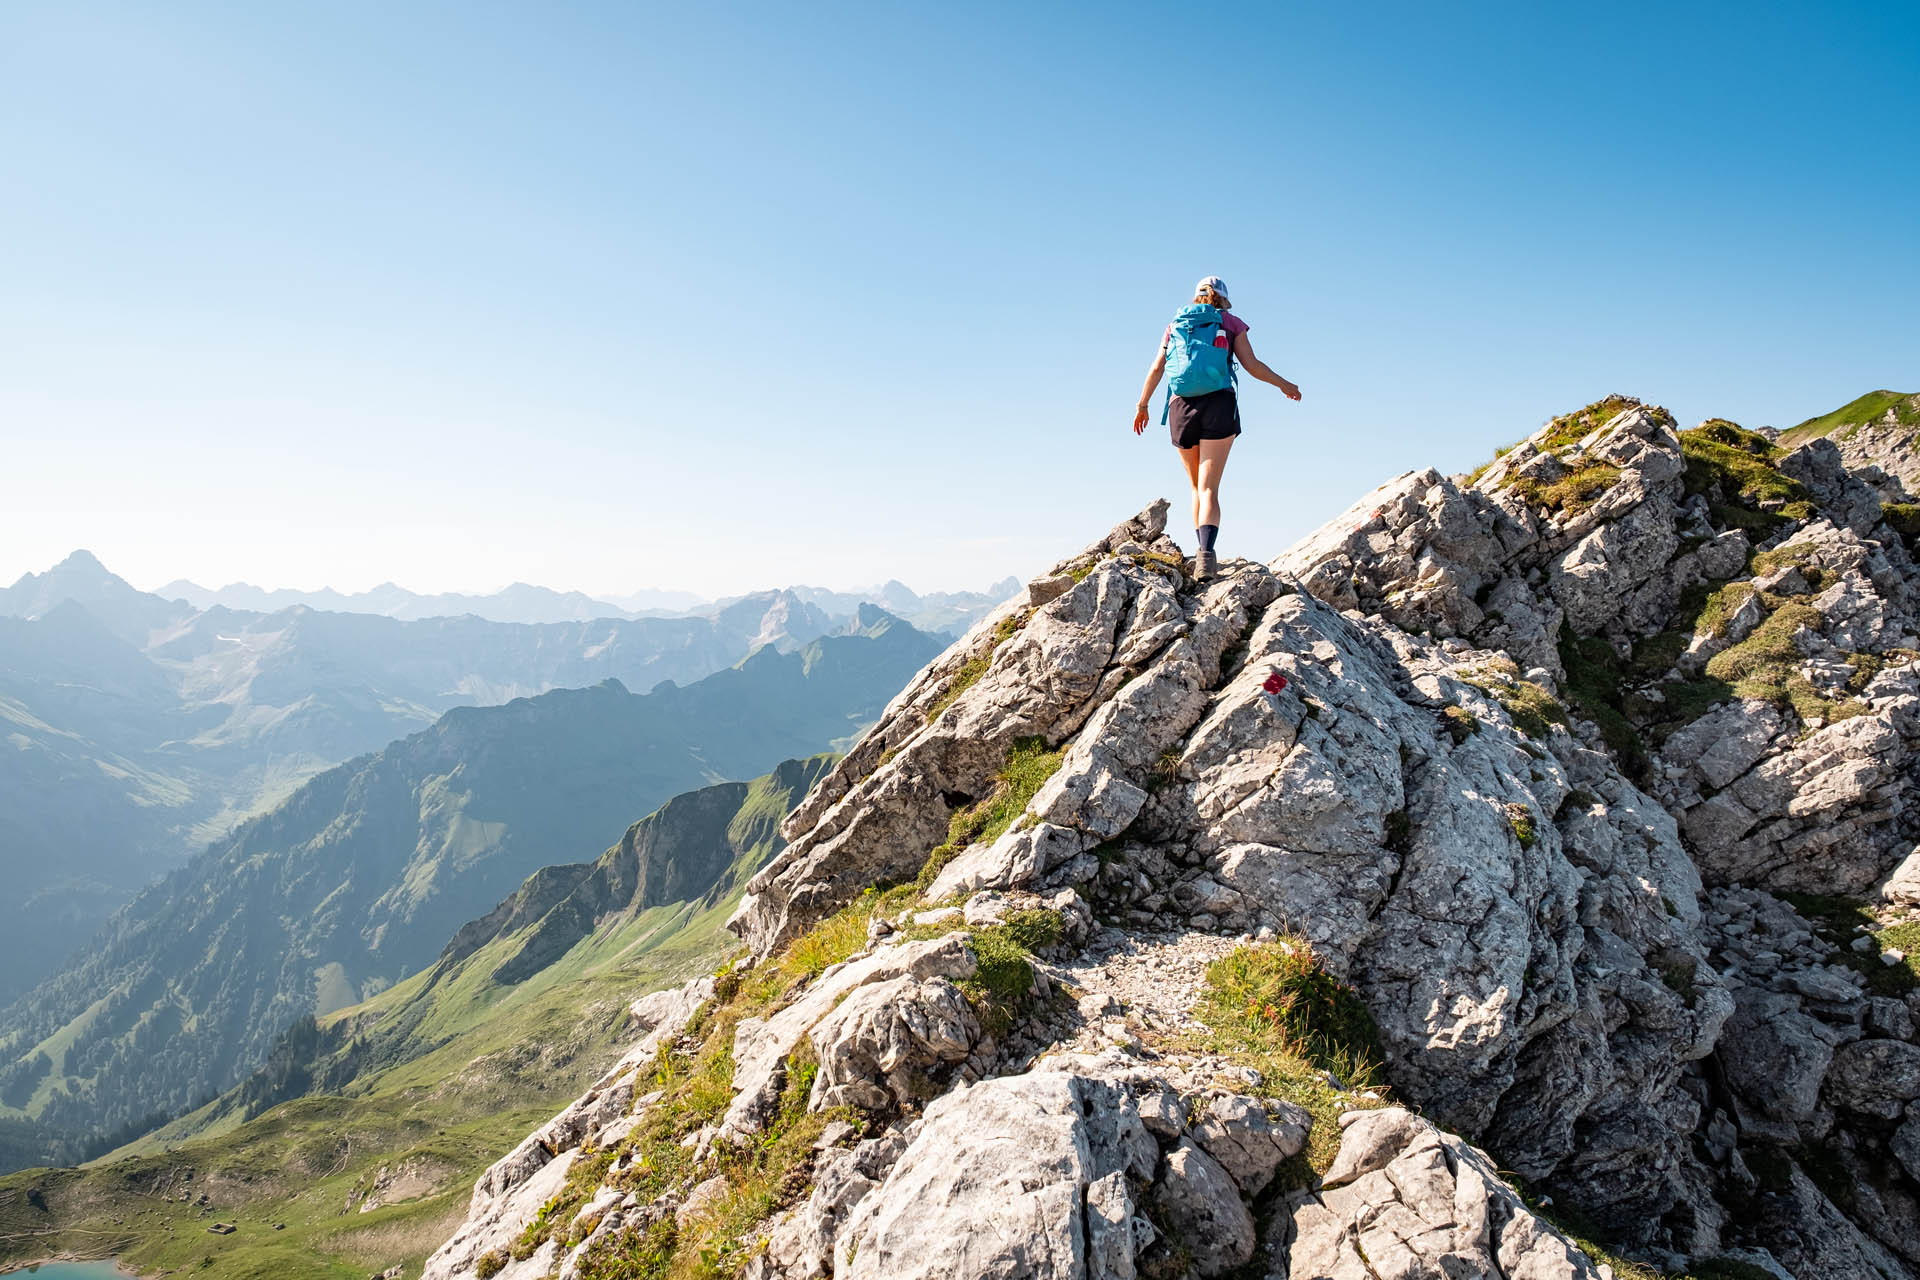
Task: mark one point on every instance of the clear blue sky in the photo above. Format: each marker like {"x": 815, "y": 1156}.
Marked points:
{"x": 723, "y": 296}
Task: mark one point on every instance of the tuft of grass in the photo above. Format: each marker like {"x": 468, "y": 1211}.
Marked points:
{"x": 1715, "y": 613}
{"x": 1002, "y": 984}
{"x": 1520, "y": 819}
{"x": 1164, "y": 771}
{"x": 1800, "y": 557}
{"x": 694, "y": 1075}
{"x": 1678, "y": 975}
{"x": 1029, "y": 765}
{"x": 1654, "y": 656}
{"x": 1562, "y": 433}
{"x": 1769, "y": 648}
{"x": 1865, "y": 667}
{"x": 1473, "y": 477}
{"x": 1587, "y": 1235}
{"x": 838, "y": 937}
{"x": 585, "y": 1175}
{"x": 1896, "y": 980}
{"x": 970, "y": 671}
{"x": 1274, "y": 1007}
{"x": 1461, "y": 724}
{"x": 1281, "y": 988}
{"x": 1532, "y": 709}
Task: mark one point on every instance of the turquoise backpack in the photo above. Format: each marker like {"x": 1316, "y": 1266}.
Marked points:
{"x": 1199, "y": 355}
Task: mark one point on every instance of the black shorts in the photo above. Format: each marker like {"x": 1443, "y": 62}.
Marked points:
{"x": 1213, "y": 416}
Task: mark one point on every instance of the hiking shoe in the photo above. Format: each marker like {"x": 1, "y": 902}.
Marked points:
{"x": 1205, "y": 565}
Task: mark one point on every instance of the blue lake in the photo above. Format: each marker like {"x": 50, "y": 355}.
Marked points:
{"x": 71, "y": 1271}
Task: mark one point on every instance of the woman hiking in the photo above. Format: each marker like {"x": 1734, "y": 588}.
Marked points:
{"x": 1202, "y": 414}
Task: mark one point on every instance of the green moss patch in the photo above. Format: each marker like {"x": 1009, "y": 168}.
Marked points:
{"x": 1520, "y": 821}
{"x": 1001, "y": 987}
{"x": 1561, "y": 434}
{"x": 1593, "y": 686}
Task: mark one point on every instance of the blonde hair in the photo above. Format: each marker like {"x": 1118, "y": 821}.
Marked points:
{"x": 1208, "y": 298}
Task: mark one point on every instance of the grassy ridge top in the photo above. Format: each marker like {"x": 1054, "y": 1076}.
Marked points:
{"x": 1856, "y": 413}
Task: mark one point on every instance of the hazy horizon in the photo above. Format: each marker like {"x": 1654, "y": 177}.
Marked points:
{"x": 611, "y": 595}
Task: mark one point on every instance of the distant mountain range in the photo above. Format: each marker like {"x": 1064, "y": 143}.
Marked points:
{"x": 951, "y": 611}
{"x": 362, "y": 875}
{"x": 520, "y": 602}
{"x": 136, "y": 729}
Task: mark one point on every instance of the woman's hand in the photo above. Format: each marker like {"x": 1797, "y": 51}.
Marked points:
{"x": 1140, "y": 418}
{"x": 1289, "y": 389}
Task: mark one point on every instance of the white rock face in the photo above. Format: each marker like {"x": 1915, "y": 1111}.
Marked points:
{"x": 1554, "y": 892}
{"x": 995, "y": 1183}
{"x": 761, "y": 1046}
{"x": 1405, "y": 1199}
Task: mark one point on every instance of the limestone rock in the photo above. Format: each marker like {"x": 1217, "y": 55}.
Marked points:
{"x": 761, "y": 1045}
{"x": 1202, "y": 1203}
{"x": 1248, "y": 1141}
{"x": 995, "y": 1183}
{"x": 877, "y": 1046}
{"x": 1876, "y": 1077}
{"x": 1404, "y": 1199}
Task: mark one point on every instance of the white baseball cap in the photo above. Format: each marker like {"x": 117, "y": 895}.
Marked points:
{"x": 1214, "y": 283}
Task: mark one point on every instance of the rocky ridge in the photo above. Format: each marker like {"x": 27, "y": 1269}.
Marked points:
{"x": 1544, "y": 769}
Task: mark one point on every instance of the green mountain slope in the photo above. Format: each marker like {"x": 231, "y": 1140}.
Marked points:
{"x": 431, "y": 1080}
{"x": 357, "y": 880}
{"x": 1855, "y": 414}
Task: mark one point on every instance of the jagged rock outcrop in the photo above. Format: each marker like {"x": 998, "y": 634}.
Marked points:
{"x": 1524, "y": 759}
{"x": 1405, "y": 1199}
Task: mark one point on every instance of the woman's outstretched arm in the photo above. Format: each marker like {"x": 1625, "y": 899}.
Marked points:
{"x": 1146, "y": 392}
{"x": 1255, "y": 366}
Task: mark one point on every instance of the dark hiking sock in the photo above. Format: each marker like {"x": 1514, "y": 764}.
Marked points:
{"x": 1207, "y": 532}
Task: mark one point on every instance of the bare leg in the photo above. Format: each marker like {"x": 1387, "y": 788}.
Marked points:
{"x": 1190, "y": 459}
{"x": 1212, "y": 464}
